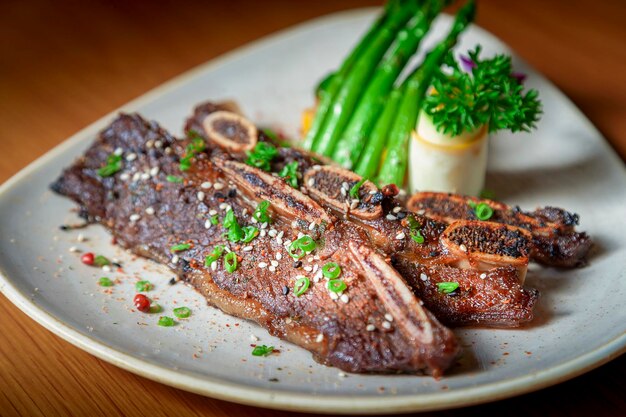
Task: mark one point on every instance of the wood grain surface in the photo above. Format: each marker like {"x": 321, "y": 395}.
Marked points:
{"x": 64, "y": 64}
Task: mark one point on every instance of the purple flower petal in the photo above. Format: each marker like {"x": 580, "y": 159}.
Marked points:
{"x": 467, "y": 64}
{"x": 520, "y": 77}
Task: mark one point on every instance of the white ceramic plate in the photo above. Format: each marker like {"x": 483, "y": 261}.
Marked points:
{"x": 581, "y": 321}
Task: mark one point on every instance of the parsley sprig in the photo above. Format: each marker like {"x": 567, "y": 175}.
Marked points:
{"x": 489, "y": 95}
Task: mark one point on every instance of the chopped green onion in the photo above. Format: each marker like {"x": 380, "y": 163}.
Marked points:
{"x": 260, "y": 213}
{"x": 290, "y": 173}
{"x": 166, "y": 321}
{"x": 185, "y": 163}
{"x": 262, "y": 350}
{"x": 173, "y": 178}
{"x": 300, "y": 247}
{"x": 101, "y": 261}
{"x": 215, "y": 220}
{"x": 336, "y": 285}
{"x": 229, "y": 219}
{"x": 262, "y": 155}
{"x": 301, "y": 285}
{"x": 196, "y": 145}
{"x": 105, "y": 282}
{"x": 155, "y": 308}
{"x": 230, "y": 262}
{"x": 114, "y": 164}
{"x": 415, "y": 229}
{"x": 214, "y": 256}
{"x": 354, "y": 191}
{"x": 250, "y": 232}
{"x": 143, "y": 286}
{"x": 180, "y": 247}
{"x": 447, "y": 287}
{"x": 331, "y": 270}
{"x": 182, "y": 312}
{"x": 483, "y": 211}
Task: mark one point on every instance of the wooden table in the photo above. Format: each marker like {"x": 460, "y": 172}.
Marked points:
{"x": 64, "y": 64}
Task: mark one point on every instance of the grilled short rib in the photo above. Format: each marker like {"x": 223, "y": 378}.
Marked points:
{"x": 377, "y": 325}
{"x": 490, "y": 275}
{"x": 554, "y": 240}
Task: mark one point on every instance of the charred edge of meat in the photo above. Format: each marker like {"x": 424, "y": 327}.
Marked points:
{"x": 230, "y": 130}
{"x": 437, "y": 344}
{"x": 484, "y": 245}
{"x": 284, "y": 199}
{"x": 331, "y": 185}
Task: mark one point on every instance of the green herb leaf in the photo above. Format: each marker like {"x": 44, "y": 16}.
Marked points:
{"x": 415, "y": 229}
{"x": 101, "y": 261}
{"x": 114, "y": 164}
{"x": 214, "y": 256}
{"x": 260, "y": 213}
{"x": 354, "y": 191}
{"x": 290, "y": 173}
{"x": 143, "y": 286}
{"x": 180, "y": 247}
{"x": 262, "y": 350}
{"x": 215, "y": 220}
{"x": 105, "y": 282}
{"x": 262, "y": 155}
{"x": 182, "y": 312}
{"x": 489, "y": 95}
{"x": 447, "y": 287}
{"x": 250, "y": 233}
{"x": 166, "y": 321}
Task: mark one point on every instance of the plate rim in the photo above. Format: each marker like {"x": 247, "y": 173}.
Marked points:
{"x": 263, "y": 397}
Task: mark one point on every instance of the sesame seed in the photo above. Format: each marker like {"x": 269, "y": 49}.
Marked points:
{"x": 288, "y": 320}
{"x": 118, "y": 151}
{"x": 134, "y": 217}
{"x": 264, "y": 225}
{"x": 212, "y": 212}
{"x": 281, "y": 234}
{"x": 106, "y": 268}
{"x": 279, "y": 241}
{"x": 136, "y": 176}
{"x": 386, "y": 325}
{"x": 308, "y": 268}
{"x": 244, "y": 212}
{"x": 125, "y": 176}
{"x": 263, "y": 233}
{"x": 206, "y": 185}
{"x": 272, "y": 233}
{"x": 294, "y": 224}
{"x": 300, "y": 234}
{"x": 312, "y": 226}
{"x": 388, "y": 317}
{"x": 396, "y": 209}
{"x": 168, "y": 150}
{"x": 370, "y": 328}
{"x": 463, "y": 247}
{"x": 218, "y": 186}
{"x": 344, "y": 192}
{"x": 262, "y": 265}
{"x": 279, "y": 256}
{"x": 213, "y": 265}
{"x": 145, "y": 176}
{"x": 354, "y": 204}
{"x": 317, "y": 167}
{"x": 344, "y": 298}
{"x": 225, "y": 207}
{"x": 150, "y": 210}
{"x": 272, "y": 268}
{"x": 345, "y": 186}
{"x": 207, "y": 224}
{"x": 247, "y": 248}
{"x": 253, "y": 220}
{"x": 421, "y": 212}
{"x": 81, "y": 237}
{"x": 253, "y": 338}
{"x": 286, "y": 243}
{"x": 154, "y": 171}
{"x": 319, "y": 337}
{"x": 342, "y": 375}
{"x": 175, "y": 259}
{"x": 311, "y": 182}
{"x": 200, "y": 195}
{"x": 149, "y": 143}
{"x": 315, "y": 268}
{"x": 274, "y": 263}
{"x": 483, "y": 276}
{"x": 423, "y": 277}
{"x": 391, "y": 217}
{"x": 334, "y": 296}
{"x": 400, "y": 236}
{"x": 158, "y": 144}
{"x": 73, "y": 249}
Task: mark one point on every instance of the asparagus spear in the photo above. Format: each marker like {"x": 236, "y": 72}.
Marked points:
{"x": 371, "y": 104}
{"x": 370, "y": 160}
{"x": 334, "y": 81}
{"x": 394, "y": 167}
{"x": 347, "y": 96}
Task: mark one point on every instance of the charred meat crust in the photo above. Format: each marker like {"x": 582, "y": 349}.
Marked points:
{"x": 349, "y": 335}
{"x": 555, "y": 242}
